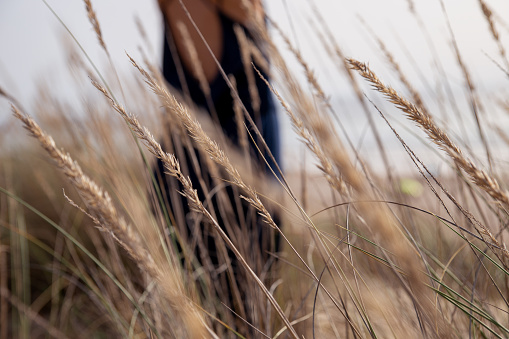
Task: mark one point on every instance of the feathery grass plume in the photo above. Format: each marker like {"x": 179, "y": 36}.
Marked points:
{"x": 173, "y": 167}
{"x": 95, "y": 23}
{"x": 474, "y": 100}
{"x": 245, "y": 54}
{"x": 218, "y": 156}
{"x": 209, "y": 146}
{"x": 317, "y": 122}
{"x": 310, "y": 75}
{"x": 444, "y": 83}
{"x": 197, "y": 69}
{"x": 353, "y": 82}
{"x": 105, "y": 215}
{"x": 97, "y": 28}
{"x": 99, "y": 201}
{"x": 385, "y": 231}
{"x": 212, "y": 149}
{"x": 239, "y": 120}
{"x": 402, "y": 77}
{"x": 331, "y": 153}
{"x": 309, "y": 140}
{"x": 488, "y": 14}
{"x": 426, "y": 122}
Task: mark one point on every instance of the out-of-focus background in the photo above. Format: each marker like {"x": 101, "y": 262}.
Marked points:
{"x": 33, "y": 52}
{"x": 398, "y": 253}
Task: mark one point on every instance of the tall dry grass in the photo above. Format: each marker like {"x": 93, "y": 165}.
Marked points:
{"x": 90, "y": 245}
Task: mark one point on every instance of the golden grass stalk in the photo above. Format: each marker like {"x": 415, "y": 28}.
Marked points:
{"x": 208, "y": 145}
{"x": 334, "y": 149}
{"x": 314, "y": 127}
{"x": 100, "y": 206}
{"x": 340, "y": 56}
{"x": 488, "y": 14}
{"x": 310, "y": 75}
{"x": 384, "y": 226}
{"x": 95, "y": 23}
{"x": 216, "y": 154}
{"x": 426, "y": 122}
{"x": 98, "y": 201}
{"x": 239, "y": 120}
{"x": 474, "y": 101}
{"x": 416, "y": 97}
{"x": 197, "y": 69}
{"x": 326, "y": 166}
{"x": 245, "y": 54}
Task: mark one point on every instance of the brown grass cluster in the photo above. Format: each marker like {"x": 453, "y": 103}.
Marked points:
{"x": 365, "y": 253}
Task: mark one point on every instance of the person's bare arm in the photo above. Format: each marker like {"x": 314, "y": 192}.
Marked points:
{"x": 207, "y": 20}
{"x": 238, "y": 10}
{"x": 205, "y": 15}
{"x": 235, "y": 9}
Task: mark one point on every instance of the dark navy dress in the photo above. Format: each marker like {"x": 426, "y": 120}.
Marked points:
{"x": 231, "y": 63}
{"x": 262, "y": 238}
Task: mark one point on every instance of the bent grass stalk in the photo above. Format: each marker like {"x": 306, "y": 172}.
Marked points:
{"x": 218, "y": 156}
{"x": 379, "y": 216}
{"x": 426, "y": 122}
{"x": 105, "y": 215}
{"x": 173, "y": 167}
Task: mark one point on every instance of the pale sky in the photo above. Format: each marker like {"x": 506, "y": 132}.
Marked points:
{"x": 31, "y": 37}
{"x": 32, "y": 48}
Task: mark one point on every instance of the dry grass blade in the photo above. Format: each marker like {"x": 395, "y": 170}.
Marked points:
{"x": 340, "y": 55}
{"x": 426, "y": 122}
{"x": 385, "y": 230}
{"x": 97, "y": 200}
{"x": 208, "y": 145}
{"x": 488, "y": 14}
{"x": 325, "y": 164}
{"x": 402, "y": 77}
{"x": 474, "y": 100}
{"x": 197, "y": 69}
{"x": 245, "y": 54}
{"x": 239, "y": 121}
{"x": 173, "y": 167}
{"x": 100, "y": 206}
{"x": 95, "y": 23}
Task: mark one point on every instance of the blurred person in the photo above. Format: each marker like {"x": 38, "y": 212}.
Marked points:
{"x": 217, "y": 21}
